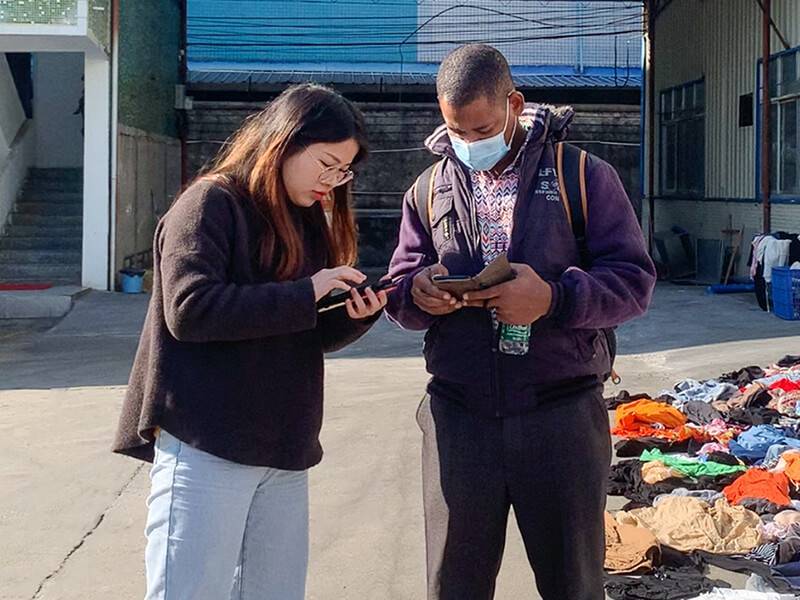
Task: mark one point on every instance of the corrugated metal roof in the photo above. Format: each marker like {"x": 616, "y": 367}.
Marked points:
{"x": 389, "y": 74}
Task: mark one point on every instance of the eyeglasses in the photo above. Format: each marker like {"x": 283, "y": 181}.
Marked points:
{"x": 332, "y": 176}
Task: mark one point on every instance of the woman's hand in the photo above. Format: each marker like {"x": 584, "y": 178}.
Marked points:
{"x": 340, "y": 278}
{"x": 361, "y": 307}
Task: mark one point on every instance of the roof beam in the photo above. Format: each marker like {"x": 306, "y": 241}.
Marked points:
{"x": 777, "y": 31}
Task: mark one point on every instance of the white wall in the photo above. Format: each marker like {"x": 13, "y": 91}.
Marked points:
{"x": 58, "y": 88}
{"x": 96, "y": 175}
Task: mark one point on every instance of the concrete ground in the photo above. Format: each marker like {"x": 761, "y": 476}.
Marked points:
{"x": 72, "y": 514}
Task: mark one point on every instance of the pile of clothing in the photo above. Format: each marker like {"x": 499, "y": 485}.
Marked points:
{"x": 711, "y": 473}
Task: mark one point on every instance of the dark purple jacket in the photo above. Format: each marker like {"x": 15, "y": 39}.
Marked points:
{"x": 567, "y": 344}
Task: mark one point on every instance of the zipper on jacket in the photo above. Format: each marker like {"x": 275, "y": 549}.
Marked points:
{"x": 477, "y": 255}
{"x": 466, "y": 186}
{"x": 494, "y": 367}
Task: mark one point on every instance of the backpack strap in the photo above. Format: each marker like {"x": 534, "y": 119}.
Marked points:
{"x": 571, "y": 170}
{"x": 425, "y": 184}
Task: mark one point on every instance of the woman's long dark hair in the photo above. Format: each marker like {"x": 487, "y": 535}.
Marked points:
{"x": 252, "y": 163}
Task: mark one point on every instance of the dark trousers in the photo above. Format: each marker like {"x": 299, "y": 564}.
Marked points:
{"x": 550, "y": 464}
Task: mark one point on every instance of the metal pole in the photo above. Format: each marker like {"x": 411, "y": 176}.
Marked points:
{"x": 784, "y": 41}
{"x": 765, "y": 115}
{"x": 183, "y": 117}
{"x": 650, "y": 103}
{"x": 579, "y": 8}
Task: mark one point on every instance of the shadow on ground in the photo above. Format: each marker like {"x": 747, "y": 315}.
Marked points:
{"x": 685, "y": 317}
{"x": 95, "y": 344}
{"x": 679, "y": 317}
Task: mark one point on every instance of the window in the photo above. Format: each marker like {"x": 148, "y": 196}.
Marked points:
{"x": 785, "y": 123}
{"x": 683, "y": 137}
{"x": 746, "y": 110}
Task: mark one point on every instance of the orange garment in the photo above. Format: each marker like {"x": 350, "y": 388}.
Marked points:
{"x": 791, "y": 465}
{"x": 756, "y": 483}
{"x": 647, "y": 418}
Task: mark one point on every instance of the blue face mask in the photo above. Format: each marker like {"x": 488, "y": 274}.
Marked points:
{"x": 482, "y": 155}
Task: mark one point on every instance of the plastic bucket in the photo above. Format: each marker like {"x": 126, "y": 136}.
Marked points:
{"x": 131, "y": 280}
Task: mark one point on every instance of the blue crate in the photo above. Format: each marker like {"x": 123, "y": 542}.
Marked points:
{"x": 786, "y": 293}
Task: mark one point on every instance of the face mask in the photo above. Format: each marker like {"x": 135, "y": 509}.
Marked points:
{"x": 482, "y": 155}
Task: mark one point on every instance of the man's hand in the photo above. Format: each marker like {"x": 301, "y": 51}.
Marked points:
{"x": 521, "y": 301}
{"x": 430, "y": 298}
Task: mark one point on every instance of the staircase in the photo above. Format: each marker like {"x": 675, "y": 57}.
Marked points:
{"x": 42, "y": 240}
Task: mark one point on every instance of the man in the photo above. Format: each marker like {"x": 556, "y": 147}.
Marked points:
{"x": 514, "y": 414}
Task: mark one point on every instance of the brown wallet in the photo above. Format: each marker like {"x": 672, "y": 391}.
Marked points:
{"x": 497, "y": 272}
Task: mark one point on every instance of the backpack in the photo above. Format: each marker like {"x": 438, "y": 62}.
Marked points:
{"x": 571, "y": 172}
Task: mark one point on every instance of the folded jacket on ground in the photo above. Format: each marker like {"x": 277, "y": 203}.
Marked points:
{"x": 786, "y": 403}
{"x": 754, "y": 443}
{"x": 629, "y": 549}
{"x": 755, "y": 415}
{"x": 723, "y": 458}
{"x": 712, "y": 447}
{"x": 721, "y": 431}
{"x": 689, "y": 466}
{"x": 662, "y": 584}
{"x": 640, "y": 418}
{"x": 767, "y": 381}
{"x": 704, "y": 391}
{"x": 709, "y": 496}
{"x": 789, "y": 463}
{"x": 754, "y": 394}
{"x": 788, "y": 517}
{"x": 742, "y": 377}
{"x": 723, "y": 594}
{"x": 625, "y": 397}
{"x": 633, "y": 448}
{"x": 700, "y": 412}
{"x": 756, "y": 483}
{"x": 786, "y": 385}
{"x": 776, "y": 532}
{"x": 789, "y": 360}
{"x": 761, "y": 506}
{"x": 625, "y": 479}
{"x": 689, "y": 524}
{"x": 788, "y": 550}
{"x": 656, "y": 471}
{"x": 740, "y": 564}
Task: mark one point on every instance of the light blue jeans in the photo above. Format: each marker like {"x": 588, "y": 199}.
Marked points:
{"x": 218, "y": 530}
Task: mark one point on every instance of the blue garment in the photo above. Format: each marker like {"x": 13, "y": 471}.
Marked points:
{"x": 789, "y": 573}
{"x": 754, "y": 444}
{"x": 690, "y": 390}
{"x": 774, "y": 454}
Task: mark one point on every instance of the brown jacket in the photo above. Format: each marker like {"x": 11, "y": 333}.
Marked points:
{"x": 230, "y": 361}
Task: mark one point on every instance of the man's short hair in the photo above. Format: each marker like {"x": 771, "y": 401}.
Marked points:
{"x": 472, "y": 71}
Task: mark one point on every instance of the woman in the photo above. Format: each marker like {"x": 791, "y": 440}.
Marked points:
{"x": 225, "y": 395}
